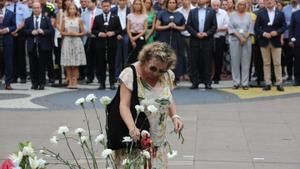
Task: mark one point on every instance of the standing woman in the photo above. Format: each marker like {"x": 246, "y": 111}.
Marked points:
{"x": 72, "y": 51}
{"x": 170, "y": 23}
{"x": 240, "y": 29}
{"x": 230, "y": 7}
{"x": 150, "y": 34}
{"x": 136, "y": 29}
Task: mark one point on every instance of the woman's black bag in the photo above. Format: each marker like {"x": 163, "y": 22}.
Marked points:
{"x": 116, "y": 127}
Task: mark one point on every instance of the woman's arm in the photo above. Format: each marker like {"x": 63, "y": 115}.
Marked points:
{"x": 81, "y": 33}
{"x": 180, "y": 28}
{"x": 178, "y": 125}
{"x": 58, "y": 21}
{"x": 125, "y": 99}
{"x": 63, "y": 30}
{"x": 143, "y": 32}
{"x": 161, "y": 28}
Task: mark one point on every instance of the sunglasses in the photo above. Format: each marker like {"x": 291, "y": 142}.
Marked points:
{"x": 155, "y": 69}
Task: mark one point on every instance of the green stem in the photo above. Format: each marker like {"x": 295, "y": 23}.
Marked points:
{"x": 93, "y": 156}
{"x": 68, "y": 144}
{"x": 89, "y": 130}
{"x": 87, "y": 160}
{"x": 59, "y": 158}
{"x": 98, "y": 118}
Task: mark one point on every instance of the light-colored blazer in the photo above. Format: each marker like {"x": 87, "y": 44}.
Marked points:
{"x": 86, "y": 18}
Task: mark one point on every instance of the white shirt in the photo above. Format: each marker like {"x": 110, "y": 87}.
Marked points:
{"x": 271, "y": 14}
{"x": 223, "y": 22}
{"x": 296, "y": 8}
{"x": 185, "y": 13}
{"x": 38, "y": 20}
{"x": 122, "y": 16}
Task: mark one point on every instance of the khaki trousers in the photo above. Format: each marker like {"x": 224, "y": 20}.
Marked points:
{"x": 268, "y": 52}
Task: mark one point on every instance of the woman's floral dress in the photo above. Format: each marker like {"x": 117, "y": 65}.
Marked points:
{"x": 161, "y": 97}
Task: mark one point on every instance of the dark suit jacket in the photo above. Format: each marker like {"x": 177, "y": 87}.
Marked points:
{"x": 45, "y": 40}
{"x": 261, "y": 26}
{"x": 294, "y": 29}
{"x": 114, "y": 25}
{"x": 210, "y": 26}
{"x": 10, "y": 23}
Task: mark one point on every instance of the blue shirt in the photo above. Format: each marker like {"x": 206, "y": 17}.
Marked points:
{"x": 201, "y": 17}
{"x": 22, "y": 12}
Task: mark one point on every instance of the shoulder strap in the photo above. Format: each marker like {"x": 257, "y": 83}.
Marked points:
{"x": 134, "y": 85}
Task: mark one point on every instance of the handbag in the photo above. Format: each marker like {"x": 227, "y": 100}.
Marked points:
{"x": 116, "y": 127}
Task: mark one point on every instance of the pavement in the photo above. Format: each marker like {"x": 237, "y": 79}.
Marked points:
{"x": 224, "y": 128}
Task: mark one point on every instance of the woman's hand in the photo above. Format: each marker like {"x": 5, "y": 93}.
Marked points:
{"x": 133, "y": 44}
{"x": 178, "y": 125}
{"x": 135, "y": 133}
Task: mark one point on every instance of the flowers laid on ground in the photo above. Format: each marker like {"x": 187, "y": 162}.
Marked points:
{"x": 27, "y": 159}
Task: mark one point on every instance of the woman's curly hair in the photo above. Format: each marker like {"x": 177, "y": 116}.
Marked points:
{"x": 159, "y": 50}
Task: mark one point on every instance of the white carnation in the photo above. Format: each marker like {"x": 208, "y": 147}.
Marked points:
{"x": 99, "y": 138}
{"x": 90, "y": 98}
{"x": 152, "y": 109}
{"x": 172, "y": 154}
{"x": 127, "y": 139}
{"x": 53, "y": 140}
{"x": 106, "y": 153}
{"x": 16, "y": 158}
{"x": 83, "y": 139}
{"x": 63, "y": 130}
{"x": 105, "y": 100}
{"x": 146, "y": 154}
{"x": 79, "y": 131}
{"x": 80, "y": 101}
{"x": 41, "y": 163}
{"x": 144, "y": 133}
{"x": 139, "y": 108}
{"x": 28, "y": 150}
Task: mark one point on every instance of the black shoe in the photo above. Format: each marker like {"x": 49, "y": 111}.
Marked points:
{"x": 194, "y": 86}
{"x": 89, "y": 81}
{"x": 280, "y": 88}
{"x": 235, "y": 87}
{"x": 42, "y": 87}
{"x": 23, "y": 81}
{"x": 267, "y": 87}
{"x": 101, "y": 87}
{"x": 245, "y": 87}
{"x": 112, "y": 87}
{"x": 208, "y": 86}
{"x": 34, "y": 87}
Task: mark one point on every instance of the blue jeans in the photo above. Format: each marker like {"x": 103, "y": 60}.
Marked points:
{"x": 121, "y": 55}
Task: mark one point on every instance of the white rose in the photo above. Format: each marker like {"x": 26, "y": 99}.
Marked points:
{"x": 106, "y": 153}
{"x": 90, "y": 98}
{"x": 53, "y": 140}
{"x": 172, "y": 154}
{"x": 80, "y": 101}
{"x": 99, "y": 138}
{"x": 63, "y": 130}
{"x": 293, "y": 39}
{"x": 41, "y": 163}
{"x": 127, "y": 139}
{"x": 42, "y": 152}
{"x": 146, "y": 154}
{"x": 152, "y": 109}
{"x": 139, "y": 108}
{"x": 105, "y": 100}
{"x": 79, "y": 131}
{"x": 126, "y": 161}
{"x": 33, "y": 162}
{"x": 144, "y": 133}
{"x": 28, "y": 151}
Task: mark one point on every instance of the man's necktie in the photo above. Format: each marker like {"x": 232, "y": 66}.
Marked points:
{"x": 15, "y": 8}
{"x": 36, "y": 22}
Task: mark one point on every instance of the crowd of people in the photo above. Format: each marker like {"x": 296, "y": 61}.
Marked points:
{"x": 70, "y": 41}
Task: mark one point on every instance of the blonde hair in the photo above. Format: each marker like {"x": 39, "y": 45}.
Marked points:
{"x": 143, "y": 8}
{"x": 159, "y": 50}
{"x": 239, "y": 2}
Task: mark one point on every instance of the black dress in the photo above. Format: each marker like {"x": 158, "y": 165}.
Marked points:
{"x": 174, "y": 38}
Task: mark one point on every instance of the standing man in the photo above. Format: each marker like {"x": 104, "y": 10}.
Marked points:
{"x": 287, "y": 48}
{"x": 121, "y": 10}
{"x": 185, "y": 10}
{"x": 21, "y": 12}
{"x": 294, "y": 34}
{"x": 83, "y": 6}
{"x": 89, "y": 42}
{"x": 39, "y": 32}
{"x": 219, "y": 39}
{"x": 270, "y": 24}
{"x": 106, "y": 28}
{"x": 202, "y": 24}
{"x": 7, "y": 25}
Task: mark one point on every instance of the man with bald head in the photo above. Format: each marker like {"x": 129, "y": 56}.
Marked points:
{"x": 39, "y": 31}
